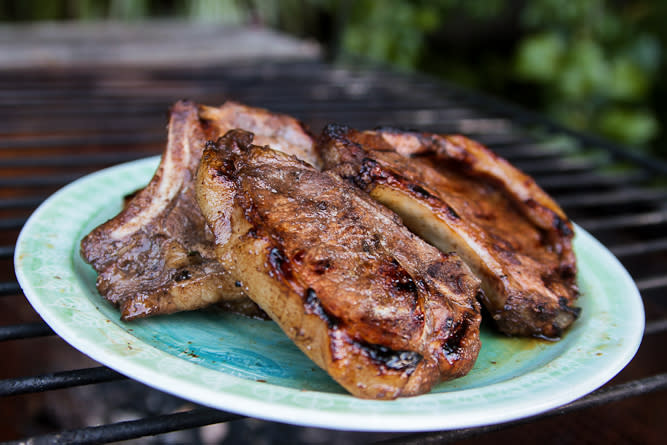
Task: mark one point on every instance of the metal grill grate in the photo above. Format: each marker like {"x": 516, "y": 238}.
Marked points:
{"x": 58, "y": 125}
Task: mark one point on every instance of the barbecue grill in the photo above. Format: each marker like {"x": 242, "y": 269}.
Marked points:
{"x": 60, "y": 124}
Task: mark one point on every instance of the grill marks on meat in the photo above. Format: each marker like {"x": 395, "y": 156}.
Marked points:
{"x": 384, "y": 313}
{"x": 157, "y": 256}
{"x": 461, "y": 197}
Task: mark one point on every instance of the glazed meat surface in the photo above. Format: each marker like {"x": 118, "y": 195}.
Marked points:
{"x": 461, "y": 197}
{"x": 157, "y": 256}
{"x": 383, "y": 312}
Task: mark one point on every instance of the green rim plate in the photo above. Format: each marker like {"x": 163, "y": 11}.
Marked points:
{"x": 249, "y": 366}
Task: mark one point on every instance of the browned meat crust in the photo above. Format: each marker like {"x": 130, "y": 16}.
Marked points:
{"x": 156, "y": 256}
{"x": 384, "y": 313}
{"x": 461, "y": 197}
{"x": 279, "y": 131}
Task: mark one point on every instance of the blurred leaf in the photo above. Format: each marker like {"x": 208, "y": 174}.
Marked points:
{"x": 634, "y": 127}
{"x": 645, "y": 51}
{"x": 427, "y": 19}
{"x": 217, "y": 11}
{"x": 90, "y": 9}
{"x": 539, "y": 57}
{"x": 607, "y": 27}
{"x": 485, "y": 9}
{"x": 38, "y": 9}
{"x": 389, "y": 31}
{"x": 573, "y": 115}
{"x": 128, "y": 9}
{"x": 584, "y": 70}
{"x": 627, "y": 80}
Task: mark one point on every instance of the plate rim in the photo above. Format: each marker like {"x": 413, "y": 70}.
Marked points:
{"x": 306, "y": 416}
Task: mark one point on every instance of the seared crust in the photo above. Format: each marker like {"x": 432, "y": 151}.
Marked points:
{"x": 461, "y": 197}
{"x": 385, "y": 314}
{"x": 279, "y": 131}
{"x": 156, "y": 256}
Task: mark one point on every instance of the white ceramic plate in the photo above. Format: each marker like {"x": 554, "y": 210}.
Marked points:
{"x": 250, "y": 367}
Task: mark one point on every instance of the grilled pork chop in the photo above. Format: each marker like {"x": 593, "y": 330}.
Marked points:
{"x": 461, "y": 197}
{"x": 384, "y": 313}
{"x": 157, "y": 256}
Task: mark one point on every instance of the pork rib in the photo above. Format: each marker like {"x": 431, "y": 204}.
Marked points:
{"x": 384, "y": 313}
{"x": 461, "y": 197}
{"x": 156, "y": 256}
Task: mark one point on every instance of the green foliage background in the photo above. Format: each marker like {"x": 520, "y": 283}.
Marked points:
{"x": 594, "y": 65}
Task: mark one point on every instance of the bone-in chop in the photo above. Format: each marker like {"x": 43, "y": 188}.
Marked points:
{"x": 383, "y": 312}
{"x": 156, "y": 256}
{"x": 461, "y": 197}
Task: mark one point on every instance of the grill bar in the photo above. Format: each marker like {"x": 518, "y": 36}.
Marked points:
{"x": 40, "y": 181}
{"x": 6, "y": 252}
{"x": 12, "y": 288}
{"x": 21, "y": 203}
{"x": 615, "y": 197}
{"x": 589, "y": 179}
{"x": 651, "y": 282}
{"x": 12, "y": 223}
{"x": 26, "y": 330}
{"x": 58, "y": 380}
{"x": 547, "y": 167}
{"x": 135, "y": 428}
{"x": 656, "y": 327}
{"x": 640, "y": 248}
{"x": 626, "y": 221}
{"x": 69, "y": 161}
{"x": 74, "y": 141}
